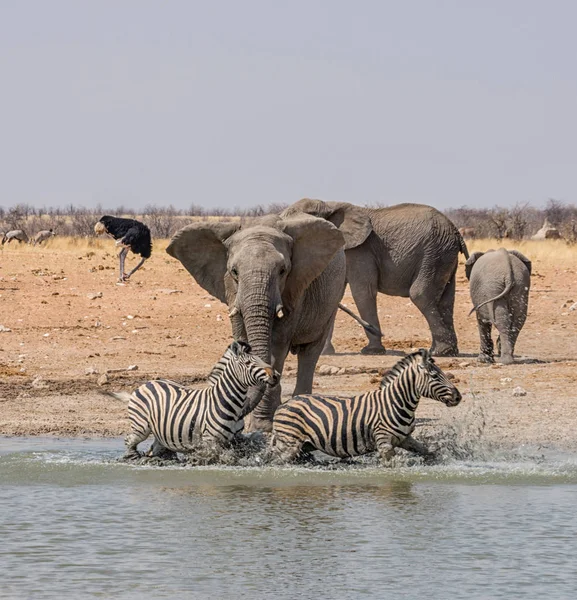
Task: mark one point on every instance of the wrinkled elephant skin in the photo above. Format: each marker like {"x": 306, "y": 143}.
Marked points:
{"x": 282, "y": 279}
{"x": 408, "y": 250}
{"x": 499, "y": 284}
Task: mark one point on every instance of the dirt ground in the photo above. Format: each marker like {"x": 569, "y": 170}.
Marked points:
{"x": 70, "y": 323}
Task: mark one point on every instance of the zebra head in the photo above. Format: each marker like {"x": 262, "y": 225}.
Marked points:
{"x": 431, "y": 382}
{"x": 220, "y": 366}
{"x": 249, "y": 369}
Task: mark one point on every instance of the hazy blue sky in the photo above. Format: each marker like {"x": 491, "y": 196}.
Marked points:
{"x": 237, "y": 103}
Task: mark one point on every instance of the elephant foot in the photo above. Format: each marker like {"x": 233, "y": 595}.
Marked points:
{"x": 444, "y": 350}
{"x": 485, "y": 358}
{"x": 374, "y": 350}
{"x": 328, "y": 350}
{"x": 506, "y": 360}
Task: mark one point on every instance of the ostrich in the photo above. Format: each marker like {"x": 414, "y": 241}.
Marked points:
{"x": 131, "y": 235}
{"x": 15, "y": 234}
{"x": 42, "y": 236}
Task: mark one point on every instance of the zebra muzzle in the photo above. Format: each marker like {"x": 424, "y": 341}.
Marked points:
{"x": 273, "y": 375}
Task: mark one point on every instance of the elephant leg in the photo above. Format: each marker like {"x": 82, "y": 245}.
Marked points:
{"x": 364, "y": 291}
{"x": 328, "y": 347}
{"x": 421, "y": 293}
{"x": 486, "y": 351}
{"x": 308, "y": 356}
{"x": 262, "y": 402}
{"x": 503, "y": 323}
{"x": 260, "y": 419}
{"x": 446, "y": 307}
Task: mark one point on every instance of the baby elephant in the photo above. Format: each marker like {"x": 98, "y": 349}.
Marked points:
{"x": 499, "y": 284}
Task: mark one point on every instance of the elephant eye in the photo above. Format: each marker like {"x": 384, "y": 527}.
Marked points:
{"x": 234, "y": 272}
{"x": 282, "y": 271}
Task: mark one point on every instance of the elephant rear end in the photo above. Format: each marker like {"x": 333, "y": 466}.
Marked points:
{"x": 499, "y": 286}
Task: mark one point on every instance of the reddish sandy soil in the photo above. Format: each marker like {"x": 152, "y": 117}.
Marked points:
{"x": 63, "y": 339}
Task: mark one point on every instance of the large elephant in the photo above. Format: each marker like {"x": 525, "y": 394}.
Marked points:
{"x": 499, "y": 286}
{"x": 408, "y": 250}
{"x": 282, "y": 279}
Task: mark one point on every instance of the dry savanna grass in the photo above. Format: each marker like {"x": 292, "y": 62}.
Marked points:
{"x": 547, "y": 252}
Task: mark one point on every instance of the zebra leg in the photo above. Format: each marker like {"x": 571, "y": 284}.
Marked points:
{"x": 160, "y": 451}
{"x": 413, "y": 445}
{"x": 285, "y": 450}
{"x": 131, "y": 441}
{"x": 384, "y": 442}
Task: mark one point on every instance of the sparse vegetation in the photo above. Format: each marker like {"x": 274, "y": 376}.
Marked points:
{"x": 518, "y": 222}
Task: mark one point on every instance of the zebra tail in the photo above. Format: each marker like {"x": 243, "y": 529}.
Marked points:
{"x": 122, "y": 396}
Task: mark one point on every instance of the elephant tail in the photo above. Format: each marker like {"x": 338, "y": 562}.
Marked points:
{"x": 368, "y": 327}
{"x": 507, "y": 289}
{"x": 462, "y": 245}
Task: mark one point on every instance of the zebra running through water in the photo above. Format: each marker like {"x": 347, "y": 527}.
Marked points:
{"x": 377, "y": 420}
{"x": 157, "y": 449}
{"x": 180, "y": 418}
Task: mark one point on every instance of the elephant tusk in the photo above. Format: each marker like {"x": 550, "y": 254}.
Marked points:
{"x": 233, "y": 312}
{"x": 279, "y": 312}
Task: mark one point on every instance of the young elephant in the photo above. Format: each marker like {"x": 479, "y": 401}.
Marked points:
{"x": 499, "y": 285}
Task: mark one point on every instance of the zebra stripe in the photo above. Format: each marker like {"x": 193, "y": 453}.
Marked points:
{"x": 376, "y": 420}
{"x": 180, "y": 417}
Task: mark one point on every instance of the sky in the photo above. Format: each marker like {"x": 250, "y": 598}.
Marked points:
{"x": 228, "y": 103}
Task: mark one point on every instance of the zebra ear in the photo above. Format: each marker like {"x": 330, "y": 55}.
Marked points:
{"x": 244, "y": 346}
{"x": 424, "y": 355}
{"x": 235, "y": 348}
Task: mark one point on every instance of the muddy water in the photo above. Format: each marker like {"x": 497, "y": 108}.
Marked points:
{"x": 74, "y": 523}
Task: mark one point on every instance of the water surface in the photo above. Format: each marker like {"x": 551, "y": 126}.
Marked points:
{"x": 76, "y": 523}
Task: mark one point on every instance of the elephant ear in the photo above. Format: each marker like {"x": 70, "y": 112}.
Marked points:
{"x": 200, "y": 248}
{"x": 353, "y": 221}
{"x": 522, "y": 258}
{"x": 315, "y": 243}
{"x": 470, "y": 262}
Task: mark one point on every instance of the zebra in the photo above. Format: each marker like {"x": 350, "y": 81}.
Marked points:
{"x": 180, "y": 418}
{"x": 377, "y": 420}
{"x": 157, "y": 449}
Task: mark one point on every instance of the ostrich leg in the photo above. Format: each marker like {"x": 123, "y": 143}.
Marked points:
{"x": 135, "y": 269}
{"x": 122, "y": 256}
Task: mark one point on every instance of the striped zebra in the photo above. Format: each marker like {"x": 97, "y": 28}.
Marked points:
{"x": 378, "y": 420}
{"x": 180, "y": 418}
{"x": 157, "y": 449}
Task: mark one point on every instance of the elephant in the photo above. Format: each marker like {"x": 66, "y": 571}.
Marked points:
{"x": 408, "y": 250}
{"x": 499, "y": 284}
{"x": 282, "y": 279}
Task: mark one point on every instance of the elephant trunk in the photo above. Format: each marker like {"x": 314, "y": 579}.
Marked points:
{"x": 258, "y": 301}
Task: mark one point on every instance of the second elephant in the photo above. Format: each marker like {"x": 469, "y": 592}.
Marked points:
{"x": 499, "y": 285}
{"x": 408, "y": 250}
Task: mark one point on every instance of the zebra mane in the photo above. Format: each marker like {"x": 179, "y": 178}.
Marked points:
{"x": 403, "y": 364}
{"x": 220, "y": 366}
